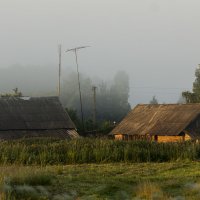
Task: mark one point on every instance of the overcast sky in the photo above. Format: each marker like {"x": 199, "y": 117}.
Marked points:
{"x": 155, "y": 41}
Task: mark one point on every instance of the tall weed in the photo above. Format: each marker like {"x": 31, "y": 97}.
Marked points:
{"x": 49, "y": 151}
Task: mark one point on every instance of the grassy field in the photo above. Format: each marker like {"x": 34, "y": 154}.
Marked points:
{"x": 176, "y": 180}
{"x": 87, "y": 150}
{"x": 42, "y": 169}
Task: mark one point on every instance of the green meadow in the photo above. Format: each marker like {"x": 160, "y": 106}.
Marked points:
{"x": 51, "y": 169}
{"x": 175, "y": 180}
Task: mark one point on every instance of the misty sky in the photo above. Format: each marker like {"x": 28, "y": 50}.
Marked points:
{"x": 155, "y": 41}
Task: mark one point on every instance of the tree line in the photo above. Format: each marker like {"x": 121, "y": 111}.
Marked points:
{"x": 111, "y": 100}
{"x": 194, "y": 96}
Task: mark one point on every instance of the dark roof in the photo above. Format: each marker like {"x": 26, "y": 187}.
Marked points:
{"x": 159, "y": 119}
{"x": 58, "y": 133}
{"x": 35, "y": 113}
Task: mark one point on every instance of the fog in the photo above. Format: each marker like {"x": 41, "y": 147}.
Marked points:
{"x": 155, "y": 41}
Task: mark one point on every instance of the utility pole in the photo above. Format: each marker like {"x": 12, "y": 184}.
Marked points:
{"x": 59, "y": 67}
{"x": 79, "y": 85}
{"x": 94, "y": 108}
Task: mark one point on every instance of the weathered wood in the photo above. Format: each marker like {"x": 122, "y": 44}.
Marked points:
{"x": 170, "y": 139}
{"x": 118, "y": 137}
{"x": 156, "y": 138}
{"x": 34, "y": 117}
{"x": 163, "y": 120}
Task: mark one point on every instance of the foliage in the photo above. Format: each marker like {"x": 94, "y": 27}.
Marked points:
{"x": 75, "y": 118}
{"x": 117, "y": 99}
{"x": 70, "y": 94}
{"x": 16, "y": 93}
{"x": 111, "y": 100}
{"x": 190, "y": 97}
{"x": 106, "y": 127}
{"x": 154, "y": 100}
{"x": 194, "y": 96}
{"x": 87, "y": 150}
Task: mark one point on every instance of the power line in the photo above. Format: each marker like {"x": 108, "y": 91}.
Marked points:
{"x": 151, "y": 87}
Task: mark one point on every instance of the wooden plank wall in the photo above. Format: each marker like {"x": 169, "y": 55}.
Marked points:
{"x": 170, "y": 139}
{"x": 118, "y": 137}
{"x": 132, "y": 137}
{"x": 159, "y": 138}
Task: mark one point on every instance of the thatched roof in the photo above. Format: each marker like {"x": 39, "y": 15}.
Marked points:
{"x": 39, "y": 113}
{"x": 161, "y": 119}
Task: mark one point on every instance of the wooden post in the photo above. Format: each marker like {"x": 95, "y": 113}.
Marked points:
{"x": 94, "y": 108}
{"x": 59, "y": 67}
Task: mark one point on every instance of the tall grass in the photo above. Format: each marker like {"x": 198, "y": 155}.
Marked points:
{"x": 86, "y": 150}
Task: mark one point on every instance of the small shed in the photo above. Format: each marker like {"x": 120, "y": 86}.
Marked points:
{"x": 160, "y": 122}
{"x": 34, "y": 117}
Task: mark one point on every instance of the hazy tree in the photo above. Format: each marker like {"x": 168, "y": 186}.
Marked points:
{"x": 16, "y": 93}
{"x": 154, "y": 100}
{"x": 196, "y": 84}
{"x": 194, "y": 96}
{"x": 70, "y": 94}
{"x": 181, "y": 100}
{"x": 190, "y": 97}
{"x": 73, "y": 115}
{"x": 119, "y": 96}
{"x": 111, "y": 100}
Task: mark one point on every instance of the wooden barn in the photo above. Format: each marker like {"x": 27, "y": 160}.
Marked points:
{"x": 160, "y": 122}
{"x": 34, "y": 117}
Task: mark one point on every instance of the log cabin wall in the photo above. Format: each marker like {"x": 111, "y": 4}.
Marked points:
{"x": 118, "y": 137}
{"x": 187, "y": 137}
{"x": 132, "y": 137}
{"x": 164, "y": 120}
{"x": 153, "y": 138}
{"x": 170, "y": 138}
{"x": 178, "y": 138}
